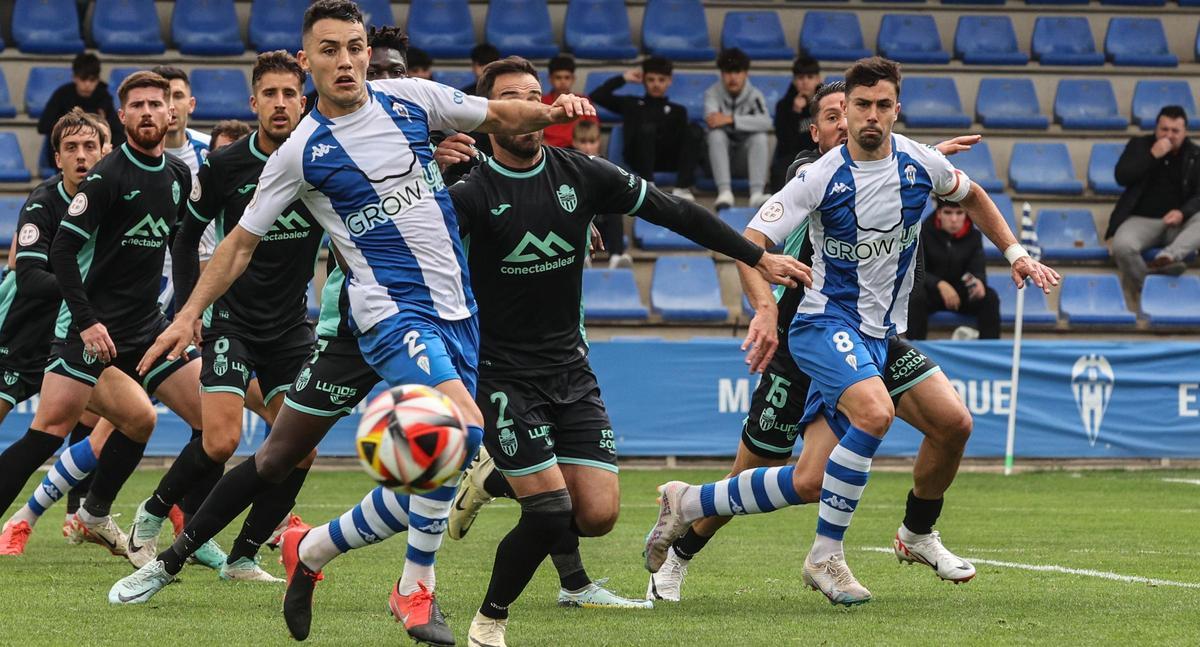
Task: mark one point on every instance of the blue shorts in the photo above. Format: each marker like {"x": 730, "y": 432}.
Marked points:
{"x": 835, "y": 355}
{"x": 411, "y": 348}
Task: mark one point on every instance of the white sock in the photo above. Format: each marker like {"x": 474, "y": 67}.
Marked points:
{"x": 87, "y": 517}
{"x": 907, "y": 536}
{"x": 823, "y": 548}
{"x": 381, "y": 514}
{"x": 25, "y": 514}
{"x": 689, "y": 504}
{"x": 413, "y": 573}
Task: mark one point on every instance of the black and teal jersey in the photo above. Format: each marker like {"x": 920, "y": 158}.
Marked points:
{"x": 527, "y": 235}
{"x": 334, "y": 322}
{"x": 271, "y": 295}
{"x": 29, "y": 296}
{"x": 108, "y": 255}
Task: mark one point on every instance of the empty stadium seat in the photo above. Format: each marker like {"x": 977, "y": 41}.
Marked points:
{"x": 10, "y": 213}
{"x": 612, "y": 294}
{"x": 1005, "y": 205}
{"x": 1094, "y": 299}
{"x": 1042, "y": 168}
{"x": 650, "y": 236}
{"x": 46, "y": 26}
{"x": 1087, "y": 104}
{"x": 832, "y": 36}
{"x": 1101, "y": 166}
{"x": 121, "y": 27}
{"x": 1008, "y": 103}
{"x": 443, "y": 28}
{"x": 1136, "y": 3}
{"x": 910, "y": 38}
{"x": 686, "y": 288}
{"x": 520, "y": 28}
{"x": 687, "y": 89}
{"x": 206, "y": 28}
{"x": 987, "y": 40}
{"x": 42, "y": 83}
{"x": 978, "y": 165}
{"x": 118, "y": 74}
{"x": 1069, "y": 235}
{"x": 377, "y": 12}
{"x": 1065, "y": 40}
{"x": 7, "y": 109}
{"x": 676, "y": 29}
{"x": 454, "y": 78}
{"x": 737, "y": 217}
{"x": 773, "y": 87}
{"x": 951, "y": 319}
{"x": 974, "y": 2}
{"x": 1138, "y": 41}
{"x": 1150, "y": 96}
{"x": 275, "y": 24}
{"x": 1037, "y": 311}
{"x": 1171, "y": 300}
{"x": 930, "y": 102}
{"x": 12, "y": 163}
{"x": 43, "y": 155}
{"x": 598, "y": 29}
{"x": 224, "y": 93}
{"x": 758, "y": 33}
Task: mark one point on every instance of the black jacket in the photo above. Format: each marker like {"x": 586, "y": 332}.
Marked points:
{"x": 947, "y": 258}
{"x": 670, "y": 117}
{"x": 791, "y": 128}
{"x": 65, "y": 98}
{"x": 1132, "y": 170}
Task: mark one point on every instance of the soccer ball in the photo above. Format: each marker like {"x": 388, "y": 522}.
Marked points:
{"x": 412, "y": 439}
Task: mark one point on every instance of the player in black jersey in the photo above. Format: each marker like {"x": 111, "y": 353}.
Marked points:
{"x": 107, "y": 257}
{"x": 920, "y": 391}
{"x": 258, "y": 326}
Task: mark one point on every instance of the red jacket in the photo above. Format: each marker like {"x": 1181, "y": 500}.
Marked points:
{"x": 561, "y": 134}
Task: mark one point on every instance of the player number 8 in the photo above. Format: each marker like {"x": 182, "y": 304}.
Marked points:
{"x": 842, "y": 342}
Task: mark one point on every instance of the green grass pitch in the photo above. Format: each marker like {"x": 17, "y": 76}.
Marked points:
{"x": 744, "y": 589}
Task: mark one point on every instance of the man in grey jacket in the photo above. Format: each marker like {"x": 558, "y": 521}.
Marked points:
{"x": 738, "y": 122}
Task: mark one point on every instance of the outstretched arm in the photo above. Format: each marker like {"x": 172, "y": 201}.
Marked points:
{"x": 989, "y": 220}
{"x": 516, "y": 117}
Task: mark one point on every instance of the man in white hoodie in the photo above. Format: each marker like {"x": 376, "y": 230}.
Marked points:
{"x": 738, "y": 122}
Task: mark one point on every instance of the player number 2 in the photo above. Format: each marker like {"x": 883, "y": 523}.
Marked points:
{"x": 842, "y": 342}
{"x": 501, "y": 401}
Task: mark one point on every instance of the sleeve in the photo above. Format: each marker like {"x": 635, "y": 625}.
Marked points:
{"x": 757, "y": 120}
{"x": 605, "y": 95}
{"x": 445, "y": 107}
{"x": 712, "y": 103}
{"x": 949, "y": 183}
{"x": 465, "y": 195}
{"x": 1135, "y": 161}
{"x": 95, "y": 197}
{"x": 780, "y": 215}
{"x": 35, "y": 230}
{"x": 278, "y": 186}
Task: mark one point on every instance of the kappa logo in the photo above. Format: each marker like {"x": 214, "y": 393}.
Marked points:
{"x": 840, "y": 187}
{"x": 838, "y": 503}
{"x": 567, "y": 198}
{"x": 1092, "y": 381}
{"x": 735, "y": 507}
{"x": 508, "y": 442}
{"x": 434, "y": 527}
{"x": 522, "y": 254}
{"x": 320, "y": 150}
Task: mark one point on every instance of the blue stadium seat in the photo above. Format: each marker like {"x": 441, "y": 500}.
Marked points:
{"x": 44, "y": 154}
{"x": 1005, "y": 205}
{"x": 650, "y": 236}
{"x": 677, "y": 29}
{"x": 225, "y": 94}
{"x": 598, "y": 29}
{"x": 121, "y": 27}
{"x": 686, "y": 288}
{"x": 773, "y": 87}
{"x": 12, "y": 163}
{"x": 974, "y": 2}
{"x": 1138, "y": 41}
{"x": 987, "y": 40}
{"x": 910, "y": 38}
{"x": 1008, "y": 102}
{"x": 746, "y": 309}
{"x": 978, "y": 165}
{"x": 1150, "y": 96}
{"x": 1042, "y": 168}
{"x": 275, "y": 24}
{"x": 612, "y": 294}
{"x": 42, "y": 83}
{"x": 1136, "y": 3}
{"x": 454, "y": 78}
{"x": 597, "y": 78}
{"x": 47, "y": 26}
{"x": 687, "y": 89}
{"x": 1172, "y": 300}
{"x": 737, "y": 217}
{"x": 1101, "y": 166}
{"x": 10, "y": 212}
{"x": 1056, "y": 2}
{"x": 1037, "y": 312}
{"x": 520, "y": 28}
{"x": 951, "y": 319}
{"x": 1069, "y": 235}
{"x": 7, "y": 109}
{"x": 930, "y": 102}
{"x": 118, "y": 74}
{"x": 1094, "y": 299}
{"x": 443, "y": 28}
{"x": 377, "y": 12}
{"x": 758, "y": 33}
{"x": 206, "y": 28}
{"x": 1065, "y": 40}
{"x": 1087, "y": 104}
{"x": 832, "y": 36}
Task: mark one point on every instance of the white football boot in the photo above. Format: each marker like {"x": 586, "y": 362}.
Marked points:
{"x": 668, "y": 581}
{"x": 929, "y": 550}
{"x": 669, "y": 527}
{"x": 833, "y": 578}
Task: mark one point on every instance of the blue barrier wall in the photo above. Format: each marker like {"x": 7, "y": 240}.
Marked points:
{"x": 1077, "y": 399}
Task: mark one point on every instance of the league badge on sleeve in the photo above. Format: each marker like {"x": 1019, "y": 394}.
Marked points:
{"x": 78, "y": 205}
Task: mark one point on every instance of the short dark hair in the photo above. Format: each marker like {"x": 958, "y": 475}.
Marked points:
{"x": 942, "y": 204}
{"x": 1172, "y": 112}
{"x": 562, "y": 63}
{"x": 389, "y": 37}
{"x": 869, "y": 71}
{"x": 733, "y": 60}
{"x": 86, "y": 66}
{"x": 657, "y": 65}
{"x": 276, "y": 61}
{"x": 484, "y": 53}
{"x": 418, "y": 59}
{"x": 231, "y": 128}
{"x": 822, "y": 92}
{"x": 170, "y": 73}
{"x": 142, "y": 79}
{"x": 584, "y": 128}
{"x": 510, "y": 65}
{"x": 74, "y": 122}
{"x": 343, "y": 10}
{"x": 805, "y": 65}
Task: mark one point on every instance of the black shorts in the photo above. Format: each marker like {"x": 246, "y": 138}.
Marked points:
{"x": 532, "y": 423}
{"x": 777, "y": 406}
{"x": 19, "y": 386}
{"x": 231, "y": 359}
{"x": 334, "y": 379}
{"x": 68, "y": 358}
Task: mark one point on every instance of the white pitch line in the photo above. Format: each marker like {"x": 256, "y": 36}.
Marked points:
{"x": 1053, "y": 568}
{"x": 1188, "y": 481}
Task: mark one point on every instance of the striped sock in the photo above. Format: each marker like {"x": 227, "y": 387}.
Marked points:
{"x": 72, "y": 466}
{"x": 763, "y": 489}
{"x": 381, "y": 514}
{"x": 846, "y": 475}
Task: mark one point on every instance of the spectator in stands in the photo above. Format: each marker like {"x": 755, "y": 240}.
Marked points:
{"x": 658, "y": 135}
{"x": 585, "y": 137}
{"x": 86, "y": 91}
{"x": 420, "y": 64}
{"x": 562, "y": 81}
{"x": 954, "y": 274}
{"x": 226, "y": 132}
{"x": 792, "y": 120}
{"x": 187, "y": 144}
{"x": 481, "y": 55}
{"x": 1161, "y": 176}
{"x": 738, "y": 122}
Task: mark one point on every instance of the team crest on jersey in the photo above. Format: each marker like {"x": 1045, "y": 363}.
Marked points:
{"x": 29, "y": 234}
{"x": 910, "y": 174}
{"x": 852, "y": 361}
{"x": 567, "y": 198}
{"x": 766, "y": 421}
{"x": 508, "y": 442}
{"x": 78, "y": 205}
{"x": 303, "y": 378}
{"x": 10, "y": 377}
{"x": 220, "y": 362}
{"x": 772, "y": 212}
{"x": 423, "y": 362}
{"x": 89, "y": 357}
{"x": 175, "y": 192}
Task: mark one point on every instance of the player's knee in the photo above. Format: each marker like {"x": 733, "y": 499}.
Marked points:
{"x": 596, "y": 521}
{"x": 138, "y": 424}
{"x": 220, "y": 447}
{"x": 875, "y": 418}
{"x": 808, "y": 485}
{"x": 273, "y": 468}
{"x": 308, "y": 461}
{"x": 550, "y": 511}
{"x": 958, "y": 427}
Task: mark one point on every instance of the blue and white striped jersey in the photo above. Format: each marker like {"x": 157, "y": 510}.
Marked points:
{"x": 370, "y": 179}
{"x": 193, "y": 152}
{"x": 864, "y": 224}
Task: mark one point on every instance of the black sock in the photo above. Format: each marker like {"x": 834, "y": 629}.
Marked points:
{"x": 921, "y": 514}
{"x": 21, "y": 460}
{"x": 191, "y": 465}
{"x": 233, "y": 493}
{"x": 195, "y": 497}
{"x": 117, "y": 461}
{"x": 689, "y": 544}
{"x": 572, "y": 576}
{"x": 544, "y": 517}
{"x": 269, "y": 509}
{"x": 496, "y": 485}
{"x": 77, "y": 493}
